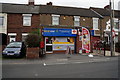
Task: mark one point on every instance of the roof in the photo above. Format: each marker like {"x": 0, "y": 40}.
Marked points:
{"x": 106, "y": 12}
{"x": 18, "y": 8}
{"x": 61, "y": 10}
{"x": 47, "y": 9}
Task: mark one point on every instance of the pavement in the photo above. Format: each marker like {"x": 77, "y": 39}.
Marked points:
{"x": 51, "y": 59}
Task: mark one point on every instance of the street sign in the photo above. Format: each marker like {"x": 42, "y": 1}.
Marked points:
{"x": 113, "y": 31}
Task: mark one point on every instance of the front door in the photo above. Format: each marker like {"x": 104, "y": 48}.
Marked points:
{"x": 48, "y": 45}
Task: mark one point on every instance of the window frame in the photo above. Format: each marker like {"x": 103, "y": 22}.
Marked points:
{"x": 27, "y": 19}
{"x": 55, "y": 21}
{"x": 95, "y": 23}
{"x": 116, "y": 23}
{"x": 2, "y": 19}
{"x": 76, "y": 20}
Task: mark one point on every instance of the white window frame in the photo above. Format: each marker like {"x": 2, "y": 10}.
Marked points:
{"x": 95, "y": 23}
{"x": 3, "y": 22}
{"x": 76, "y": 20}
{"x": 3, "y": 28}
{"x": 55, "y": 19}
{"x": 27, "y": 19}
{"x": 116, "y": 20}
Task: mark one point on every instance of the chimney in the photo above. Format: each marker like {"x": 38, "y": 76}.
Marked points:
{"x": 50, "y": 3}
{"x": 107, "y": 7}
{"x": 31, "y": 2}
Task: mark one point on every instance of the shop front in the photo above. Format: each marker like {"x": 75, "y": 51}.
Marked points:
{"x": 58, "y": 40}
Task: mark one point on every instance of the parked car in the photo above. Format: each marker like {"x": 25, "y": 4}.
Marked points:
{"x": 17, "y": 49}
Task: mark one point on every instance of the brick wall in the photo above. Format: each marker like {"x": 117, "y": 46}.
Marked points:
{"x": 45, "y": 19}
{"x": 66, "y": 20}
{"x": 15, "y": 25}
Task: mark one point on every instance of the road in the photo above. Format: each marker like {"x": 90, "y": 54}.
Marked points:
{"x": 104, "y": 69}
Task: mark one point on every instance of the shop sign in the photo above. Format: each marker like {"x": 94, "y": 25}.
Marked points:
{"x": 74, "y": 31}
{"x": 58, "y": 32}
{"x": 92, "y": 32}
{"x": 85, "y": 39}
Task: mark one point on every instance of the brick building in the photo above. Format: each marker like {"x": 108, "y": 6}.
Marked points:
{"x": 24, "y": 18}
{"x": 105, "y": 22}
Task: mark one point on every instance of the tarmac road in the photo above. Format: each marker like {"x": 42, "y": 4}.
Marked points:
{"x": 101, "y": 69}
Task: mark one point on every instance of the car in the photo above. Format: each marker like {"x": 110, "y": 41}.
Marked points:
{"x": 17, "y": 49}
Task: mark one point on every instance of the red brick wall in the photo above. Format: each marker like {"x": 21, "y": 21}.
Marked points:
{"x": 78, "y": 44}
{"x": 15, "y": 24}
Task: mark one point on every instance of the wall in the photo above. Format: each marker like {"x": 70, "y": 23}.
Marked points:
{"x": 45, "y": 19}
{"x": 66, "y": 20}
{"x": 3, "y": 29}
{"x": 15, "y": 25}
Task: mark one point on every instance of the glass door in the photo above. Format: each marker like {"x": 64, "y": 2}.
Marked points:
{"x": 48, "y": 45}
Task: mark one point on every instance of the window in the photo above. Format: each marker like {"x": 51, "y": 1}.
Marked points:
{"x": 27, "y": 19}
{"x": 95, "y": 23}
{"x": 24, "y": 36}
{"x": 116, "y": 23}
{"x": 1, "y": 21}
{"x": 12, "y": 37}
{"x": 55, "y": 19}
{"x": 76, "y": 21}
{"x": 119, "y": 25}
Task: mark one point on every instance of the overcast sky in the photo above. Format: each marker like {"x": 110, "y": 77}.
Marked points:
{"x": 72, "y": 3}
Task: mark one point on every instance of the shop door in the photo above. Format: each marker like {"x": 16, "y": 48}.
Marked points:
{"x": 48, "y": 45}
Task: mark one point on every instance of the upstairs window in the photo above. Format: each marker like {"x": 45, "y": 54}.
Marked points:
{"x": 1, "y": 21}
{"x": 95, "y": 24}
{"x": 55, "y": 19}
{"x": 116, "y": 23}
{"x": 76, "y": 21}
{"x": 27, "y": 19}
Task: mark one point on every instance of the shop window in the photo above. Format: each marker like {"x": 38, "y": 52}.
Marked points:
{"x": 95, "y": 24}
{"x": 27, "y": 19}
{"x": 55, "y": 19}
{"x": 76, "y": 21}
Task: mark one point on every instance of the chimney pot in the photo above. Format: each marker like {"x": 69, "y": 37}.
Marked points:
{"x": 31, "y": 2}
{"x": 106, "y": 7}
{"x": 50, "y": 3}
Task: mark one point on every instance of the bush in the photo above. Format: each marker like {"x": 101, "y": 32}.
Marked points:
{"x": 32, "y": 40}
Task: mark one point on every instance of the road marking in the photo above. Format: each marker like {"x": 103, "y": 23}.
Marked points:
{"x": 55, "y": 63}
{"x": 79, "y": 62}
{"x": 60, "y": 61}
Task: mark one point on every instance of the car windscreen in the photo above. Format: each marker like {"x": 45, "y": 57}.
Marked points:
{"x": 14, "y": 45}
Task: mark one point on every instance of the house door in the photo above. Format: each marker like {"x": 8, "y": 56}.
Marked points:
{"x": 48, "y": 45}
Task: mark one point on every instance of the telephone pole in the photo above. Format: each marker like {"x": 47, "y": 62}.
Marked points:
{"x": 111, "y": 24}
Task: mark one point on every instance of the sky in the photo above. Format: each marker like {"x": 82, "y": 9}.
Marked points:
{"x": 70, "y": 3}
